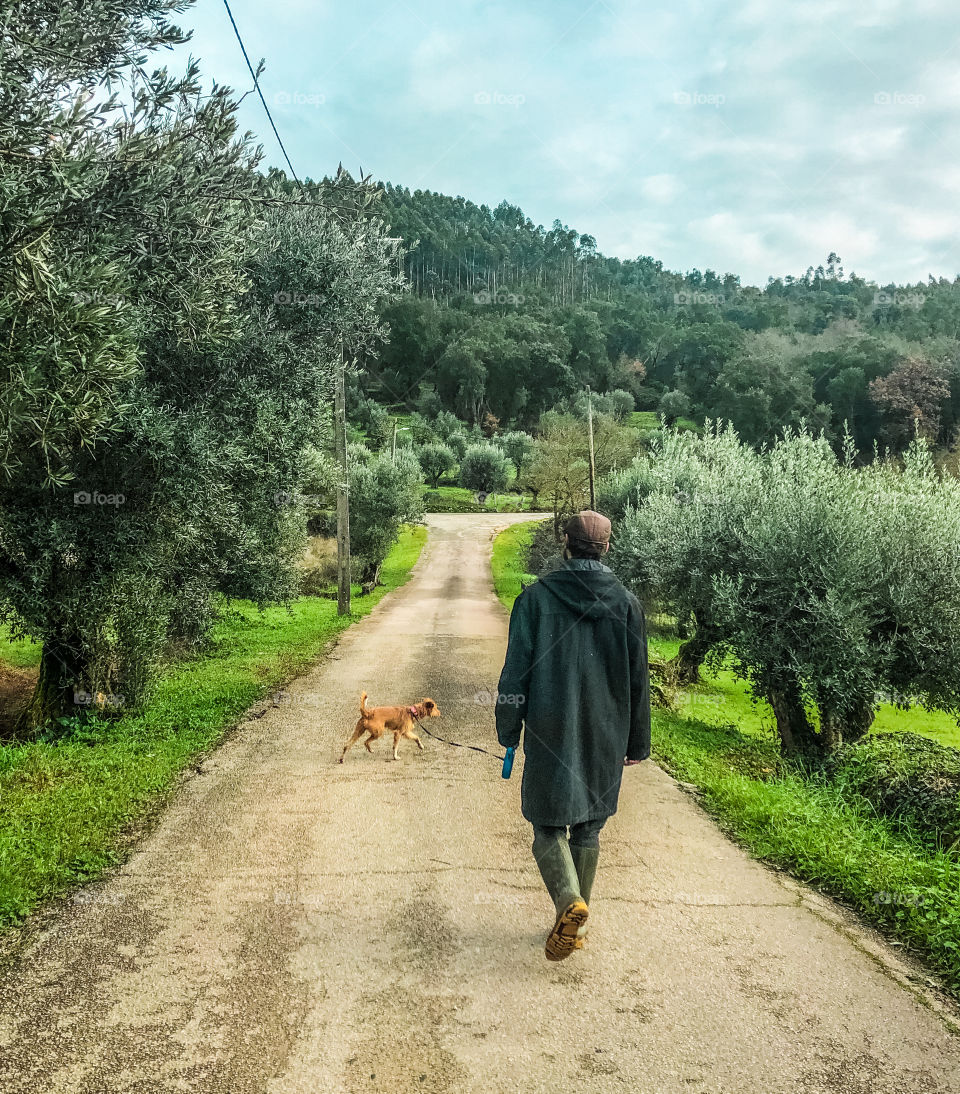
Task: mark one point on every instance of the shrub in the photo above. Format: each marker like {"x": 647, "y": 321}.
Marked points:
{"x": 906, "y": 777}
{"x": 673, "y": 405}
{"x": 518, "y": 447}
{"x": 458, "y": 443}
{"x": 435, "y": 461}
{"x": 384, "y": 494}
{"x": 485, "y": 469}
{"x": 421, "y": 430}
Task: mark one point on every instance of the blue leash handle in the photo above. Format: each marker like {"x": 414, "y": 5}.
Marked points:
{"x": 508, "y": 763}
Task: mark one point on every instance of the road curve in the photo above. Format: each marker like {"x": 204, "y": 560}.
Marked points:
{"x": 294, "y": 925}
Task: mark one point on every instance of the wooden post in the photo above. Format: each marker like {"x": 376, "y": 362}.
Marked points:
{"x": 393, "y": 449}
{"x": 593, "y": 469}
{"x": 343, "y": 493}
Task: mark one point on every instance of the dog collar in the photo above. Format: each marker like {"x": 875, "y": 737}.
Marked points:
{"x": 413, "y": 711}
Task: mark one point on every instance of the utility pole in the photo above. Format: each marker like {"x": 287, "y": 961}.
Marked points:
{"x": 343, "y": 491}
{"x": 593, "y": 469}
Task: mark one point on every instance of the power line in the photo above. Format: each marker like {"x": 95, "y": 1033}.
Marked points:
{"x": 256, "y": 84}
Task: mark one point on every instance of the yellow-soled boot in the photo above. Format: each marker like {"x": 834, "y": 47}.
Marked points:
{"x": 560, "y": 877}
{"x": 585, "y": 861}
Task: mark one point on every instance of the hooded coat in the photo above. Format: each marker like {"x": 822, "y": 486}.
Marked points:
{"x": 576, "y": 678}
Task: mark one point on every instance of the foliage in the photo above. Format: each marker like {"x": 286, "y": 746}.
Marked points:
{"x": 794, "y": 561}
{"x": 436, "y": 460}
{"x": 517, "y": 447}
{"x": 526, "y": 316}
{"x": 559, "y": 469}
{"x": 674, "y": 404}
{"x": 485, "y": 469}
{"x": 911, "y": 399}
{"x": 171, "y": 320}
{"x": 384, "y": 494}
{"x": 908, "y": 778}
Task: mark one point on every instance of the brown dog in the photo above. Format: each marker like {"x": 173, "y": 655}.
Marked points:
{"x": 375, "y": 721}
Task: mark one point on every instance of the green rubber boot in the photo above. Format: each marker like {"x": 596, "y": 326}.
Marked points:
{"x": 560, "y": 877}
{"x": 585, "y": 861}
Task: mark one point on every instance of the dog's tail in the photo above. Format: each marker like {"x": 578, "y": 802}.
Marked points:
{"x": 364, "y": 713}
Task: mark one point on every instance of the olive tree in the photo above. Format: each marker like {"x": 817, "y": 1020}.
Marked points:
{"x": 435, "y": 461}
{"x": 681, "y": 507}
{"x": 170, "y": 321}
{"x": 484, "y": 468}
{"x": 384, "y": 494}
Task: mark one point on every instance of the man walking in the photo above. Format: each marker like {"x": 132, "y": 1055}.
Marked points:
{"x": 576, "y": 678}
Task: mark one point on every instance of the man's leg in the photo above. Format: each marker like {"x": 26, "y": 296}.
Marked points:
{"x": 585, "y": 852}
{"x": 555, "y": 861}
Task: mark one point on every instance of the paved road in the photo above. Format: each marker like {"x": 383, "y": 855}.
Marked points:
{"x": 293, "y": 925}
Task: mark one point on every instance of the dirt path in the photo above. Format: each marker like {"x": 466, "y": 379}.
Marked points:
{"x": 293, "y": 925}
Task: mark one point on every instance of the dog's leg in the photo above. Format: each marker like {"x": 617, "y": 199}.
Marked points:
{"x": 357, "y": 734}
{"x": 366, "y": 743}
{"x": 397, "y": 734}
{"x": 411, "y": 736}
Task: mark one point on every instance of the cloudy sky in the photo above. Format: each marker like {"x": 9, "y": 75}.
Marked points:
{"x": 749, "y": 136}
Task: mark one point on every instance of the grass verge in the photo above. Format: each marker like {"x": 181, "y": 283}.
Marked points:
{"x": 458, "y": 499}
{"x": 509, "y": 561}
{"x": 68, "y": 807}
{"x": 723, "y": 744}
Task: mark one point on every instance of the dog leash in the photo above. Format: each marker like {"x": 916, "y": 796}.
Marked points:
{"x": 456, "y": 744}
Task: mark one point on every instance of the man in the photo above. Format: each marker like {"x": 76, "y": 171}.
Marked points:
{"x": 576, "y": 676}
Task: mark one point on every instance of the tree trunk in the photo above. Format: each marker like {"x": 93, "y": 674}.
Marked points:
{"x": 797, "y": 735}
{"x": 692, "y": 654}
{"x": 852, "y": 725}
{"x": 369, "y": 578}
{"x": 61, "y": 672}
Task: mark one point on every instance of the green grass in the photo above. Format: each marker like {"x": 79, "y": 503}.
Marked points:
{"x": 68, "y": 808}
{"x": 724, "y": 744}
{"x": 457, "y": 499}
{"x": 21, "y": 653}
{"x": 508, "y": 561}
{"x": 649, "y": 420}
{"x": 644, "y": 420}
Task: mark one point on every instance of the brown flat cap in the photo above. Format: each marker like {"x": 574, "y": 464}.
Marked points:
{"x": 589, "y": 528}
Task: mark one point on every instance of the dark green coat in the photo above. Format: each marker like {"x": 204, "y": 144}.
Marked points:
{"x": 576, "y": 677}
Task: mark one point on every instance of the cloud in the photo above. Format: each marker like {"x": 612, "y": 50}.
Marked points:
{"x": 798, "y": 134}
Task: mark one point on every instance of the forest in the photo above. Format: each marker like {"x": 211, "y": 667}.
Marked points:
{"x": 505, "y": 319}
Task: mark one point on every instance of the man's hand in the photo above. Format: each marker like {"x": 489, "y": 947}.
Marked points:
{"x": 631, "y": 763}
